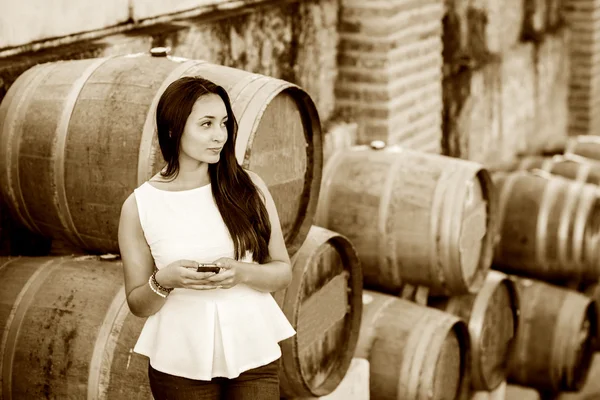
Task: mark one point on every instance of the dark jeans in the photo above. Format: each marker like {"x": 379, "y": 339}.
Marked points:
{"x": 260, "y": 383}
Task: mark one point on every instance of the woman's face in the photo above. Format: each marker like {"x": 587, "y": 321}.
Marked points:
{"x": 205, "y": 132}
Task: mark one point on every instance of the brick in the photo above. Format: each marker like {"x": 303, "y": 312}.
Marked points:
{"x": 358, "y": 42}
{"x": 396, "y": 131}
{"x": 428, "y": 141}
{"x": 386, "y": 110}
{"x": 583, "y": 105}
{"x": 419, "y": 132}
{"x": 386, "y": 92}
{"x": 576, "y": 121}
{"x": 409, "y": 115}
{"x": 585, "y": 95}
{"x": 394, "y": 58}
{"x": 383, "y": 26}
{"x": 581, "y": 111}
{"x": 586, "y": 53}
{"x": 584, "y": 29}
{"x": 392, "y": 71}
{"x": 575, "y": 6}
{"x": 373, "y": 75}
{"x": 583, "y": 75}
{"x": 359, "y": 10}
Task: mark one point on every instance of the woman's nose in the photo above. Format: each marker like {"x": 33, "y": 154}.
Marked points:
{"x": 220, "y": 135}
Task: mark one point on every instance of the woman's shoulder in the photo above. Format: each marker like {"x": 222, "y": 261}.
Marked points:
{"x": 129, "y": 207}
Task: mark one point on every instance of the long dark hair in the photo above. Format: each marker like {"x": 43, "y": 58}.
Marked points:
{"x": 235, "y": 194}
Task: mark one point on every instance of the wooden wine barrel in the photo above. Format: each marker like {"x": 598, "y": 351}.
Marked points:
{"x": 555, "y": 337}
{"x": 549, "y": 227}
{"x": 492, "y": 320}
{"x": 587, "y": 146}
{"x": 413, "y": 217}
{"x": 67, "y": 331}
{"x": 324, "y": 304}
{"x": 76, "y": 137}
{"x": 569, "y": 166}
{"x": 415, "y": 352}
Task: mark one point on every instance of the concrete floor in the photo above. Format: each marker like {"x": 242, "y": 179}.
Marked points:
{"x": 591, "y": 390}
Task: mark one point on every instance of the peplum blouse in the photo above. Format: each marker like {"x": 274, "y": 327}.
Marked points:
{"x": 202, "y": 334}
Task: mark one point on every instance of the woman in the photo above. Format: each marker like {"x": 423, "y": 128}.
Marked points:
{"x": 208, "y": 335}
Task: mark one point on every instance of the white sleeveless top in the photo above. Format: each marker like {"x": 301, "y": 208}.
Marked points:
{"x": 202, "y": 334}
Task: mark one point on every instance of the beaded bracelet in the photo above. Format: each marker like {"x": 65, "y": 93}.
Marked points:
{"x": 158, "y": 285}
{"x": 163, "y": 295}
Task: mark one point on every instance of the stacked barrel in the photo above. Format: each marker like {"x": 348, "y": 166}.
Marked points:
{"x": 506, "y": 77}
{"x": 548, "y": 240}
{"x": 436, "y": 323}
{"x": 76, "y": 138}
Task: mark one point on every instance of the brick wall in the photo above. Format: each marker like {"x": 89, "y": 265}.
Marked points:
{"x": 390, "y": 69}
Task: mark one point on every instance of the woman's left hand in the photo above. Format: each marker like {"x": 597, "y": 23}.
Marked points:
{"x": 230, "y": 274}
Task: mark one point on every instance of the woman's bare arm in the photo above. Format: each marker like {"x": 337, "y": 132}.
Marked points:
{"x": 138, "y": 263}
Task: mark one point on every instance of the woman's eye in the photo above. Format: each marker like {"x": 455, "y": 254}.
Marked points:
{"x": 207, "y": 124}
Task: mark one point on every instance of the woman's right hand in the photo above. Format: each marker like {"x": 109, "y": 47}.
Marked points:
{"x": 183, "y": 274}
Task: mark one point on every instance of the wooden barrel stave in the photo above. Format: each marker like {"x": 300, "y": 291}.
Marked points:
{"x": 103, "y": 119}
{"x": 326, "y": 271}
{"x": 58, "y": 307}
{"x": 102, "y": 144}
{"x": 11, "y": 111}
{"x": 492, "y": 319}
{"x": 548, "y": 227}
{"x": 570, "y": 166}
{"x": 559, "y": 360}
{"x": 414, "y": 352}
{"x": 587, "y": 146}
{"x": 402, "y": 217}
{"x": 128, "y": 374}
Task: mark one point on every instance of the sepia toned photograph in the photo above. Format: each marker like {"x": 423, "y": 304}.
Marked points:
{"x": 299, "y": 199}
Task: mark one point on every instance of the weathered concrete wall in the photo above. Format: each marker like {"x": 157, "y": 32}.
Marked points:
{"x": 26, "y": 21}
{"x": 510, "y": 107}
{"x": 142, "y": 9}
{"x": 292, "y": 40}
